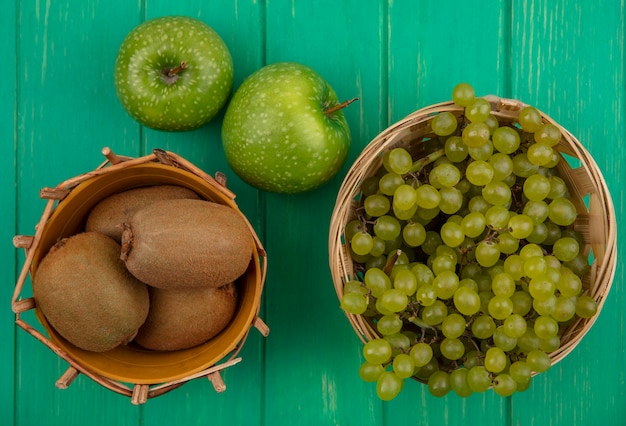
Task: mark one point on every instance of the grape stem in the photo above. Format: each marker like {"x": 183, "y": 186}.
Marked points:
{"x": 424, "y": 161}
{"x": 392, "y": 261}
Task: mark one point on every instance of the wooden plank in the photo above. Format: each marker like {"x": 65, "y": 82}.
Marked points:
{"x": 313, "y": 355}
{"x": 568, "y": 60}
{"x": 8, "y": 128}
{"x": 431, "y": 49}
{"x": 241, "y": 27}
{"x": 66, "y": 112}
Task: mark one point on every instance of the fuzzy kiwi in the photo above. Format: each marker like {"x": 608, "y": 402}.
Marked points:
{"x": 183, "y": 318}
{"x": 110, "y": 214}
{"x": 87, "y": 295}
{"x": 187, "y": 243}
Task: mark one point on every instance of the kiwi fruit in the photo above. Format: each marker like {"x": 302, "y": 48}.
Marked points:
{"x": 87, "y": 295}
{"x": 110, "y": 214}
{"x": 184, "y": 318}
{"x": 187, "y": 243}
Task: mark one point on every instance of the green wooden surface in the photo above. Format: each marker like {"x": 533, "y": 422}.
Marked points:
{"x": 59, "y": 109}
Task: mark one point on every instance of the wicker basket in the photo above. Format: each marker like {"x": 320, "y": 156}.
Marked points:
{"x": 130, "y": 370}
{"x": 588, "y": 190}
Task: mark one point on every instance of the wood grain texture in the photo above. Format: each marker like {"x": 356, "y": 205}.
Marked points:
{"x": 565, "y": 57}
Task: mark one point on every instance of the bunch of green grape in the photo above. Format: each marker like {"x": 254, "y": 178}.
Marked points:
{"x": 467, "y": 263}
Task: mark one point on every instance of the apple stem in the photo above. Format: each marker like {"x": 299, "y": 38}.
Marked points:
{"x": 173, "y": 71}
{"x": 337, "y": 107}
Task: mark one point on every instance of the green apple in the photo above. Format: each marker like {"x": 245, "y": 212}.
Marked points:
{"x": 173, "y": 73}
{"x": 284, "y": 130}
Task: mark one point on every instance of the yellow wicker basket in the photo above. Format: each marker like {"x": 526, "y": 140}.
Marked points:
{"x": 129, "y": 370}
{"x": 588, "y": 190}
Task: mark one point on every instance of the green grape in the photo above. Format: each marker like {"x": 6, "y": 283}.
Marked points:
{"x": 548, "y": 134}
{"x": 545, "y": 306}
{"x": 536, "y": 210}
{"x": 497, "y": 193}
{"x": 479, "y": 173}
{"x": 497, "y": 217}
{"x": 487, "y": 253}
{"x": 376, "y": 205}
{"x": 530, "y": 119}
{"x": 445, "y": 284}
{"x": 354, "y": 286}
{"x": 394, "y": 300}
{"x": 572, "y": 233}
{"x": 540, "y": 287}
{"x": 423, "y": 373}
{"x": 439, "y": 383}
{"x": 536, "y": 187}
{"x": 399, "y": 342}
{"x": 472, "y": 359}
{"x": 504, "y": 385}
{"x": 377, "y": 351}
{"x": 555, "y": 159}
{"x": 545, "y": 327}
{"x": 354, "y": 303}
{"x": 482, "y": 152}
{"x": 478, "y": 379}
{"x": 500, "y": 307}
{"x": 473, "y": 224}
{"x": 455, "y": 149}
{"x": 428, "y": 196}
{"x": 478, "y": 110}
{"x": 463, "y": 94}
{"x": 369, "y": 372}
{"x": 389, "y": 324}
{"x": 387, "y": 227}
{"x": 405, "y": 281}
{"x": 565, "y": 249}
{"x": 522, "y": 167}
{"x": 579, "y": 266}
{"x": 503, "y": 285}
{"x": 400, "y": 161}
{"x": 586, "y": 307}
{"x": 452, "y": 348}
{"x": 377, "y": 281}
{"x": 422, "y": 354}
{"x": 452, "y": 234}
{"x": 404, "y": 197}
{"x": 468, "y": 282}
{"x": 403, "y": 366}
{"x": 453, "y": 326}
{"x": 425, "y": 295}
{"x": 352, "y": 227}
{"x": 514, "y": 325}
{"x": 458, "y": 382}
{"x": 504, "y": 342}
{"x": 531, "y": 250}
{"x": 514, "y": 266}
{"x": 538, "y": 361}
{"x": 434, "y": 314}
{"x": 495, "y": 360}
{"x": 492, "y": 122}
{"x": 529, "y": 341}
{"x": 507, "y": 243}
{"x": 426, "y": 215}
{"x": 432, "y": 241}
{"x": 475, "y": 134}
{"x": 404, "y": 214}
{"x": 388, "y": 386}
{"x": 540, "y": 154}
{"x": 522, "y": 302}
{"x": 483, "y": 327}
{"x": 478, "y": 204}
{"x": 520, "y": 372}
{"x": 369, "y": 185}
{"x": 539, "y": 234}
{"x": 502, "y": 166}
{"x": 362, "y": 243}
{"x": 451, "y": 200}
{"x": 562, "y": 212}
{"x": 378, "y": 246}
{"x": 535, "y": 267}
{"x": 506, "y": 140}
{"x": 466, "y": 300}
{"x": 380, "y": 308}
{"x": 444, "y": 123}
{"x": 565, "y": 308}
{"x": 558, "y": 188}
{"x": 447, "y": 174}
{"x": 423, "y": 273}
{"x": 520, "y": 226}
{"x": 389, "y": 182}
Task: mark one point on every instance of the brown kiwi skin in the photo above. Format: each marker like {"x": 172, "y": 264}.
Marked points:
{"x": 187, "y": 243}
{"x": 87, "y": 295}
{"x": 183, "y": 318}
{"x": 110, "y": 214}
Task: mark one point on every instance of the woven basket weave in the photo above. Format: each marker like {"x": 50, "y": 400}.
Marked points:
{"x": 588, "y": 192}
{"x": 127, "y": 370}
